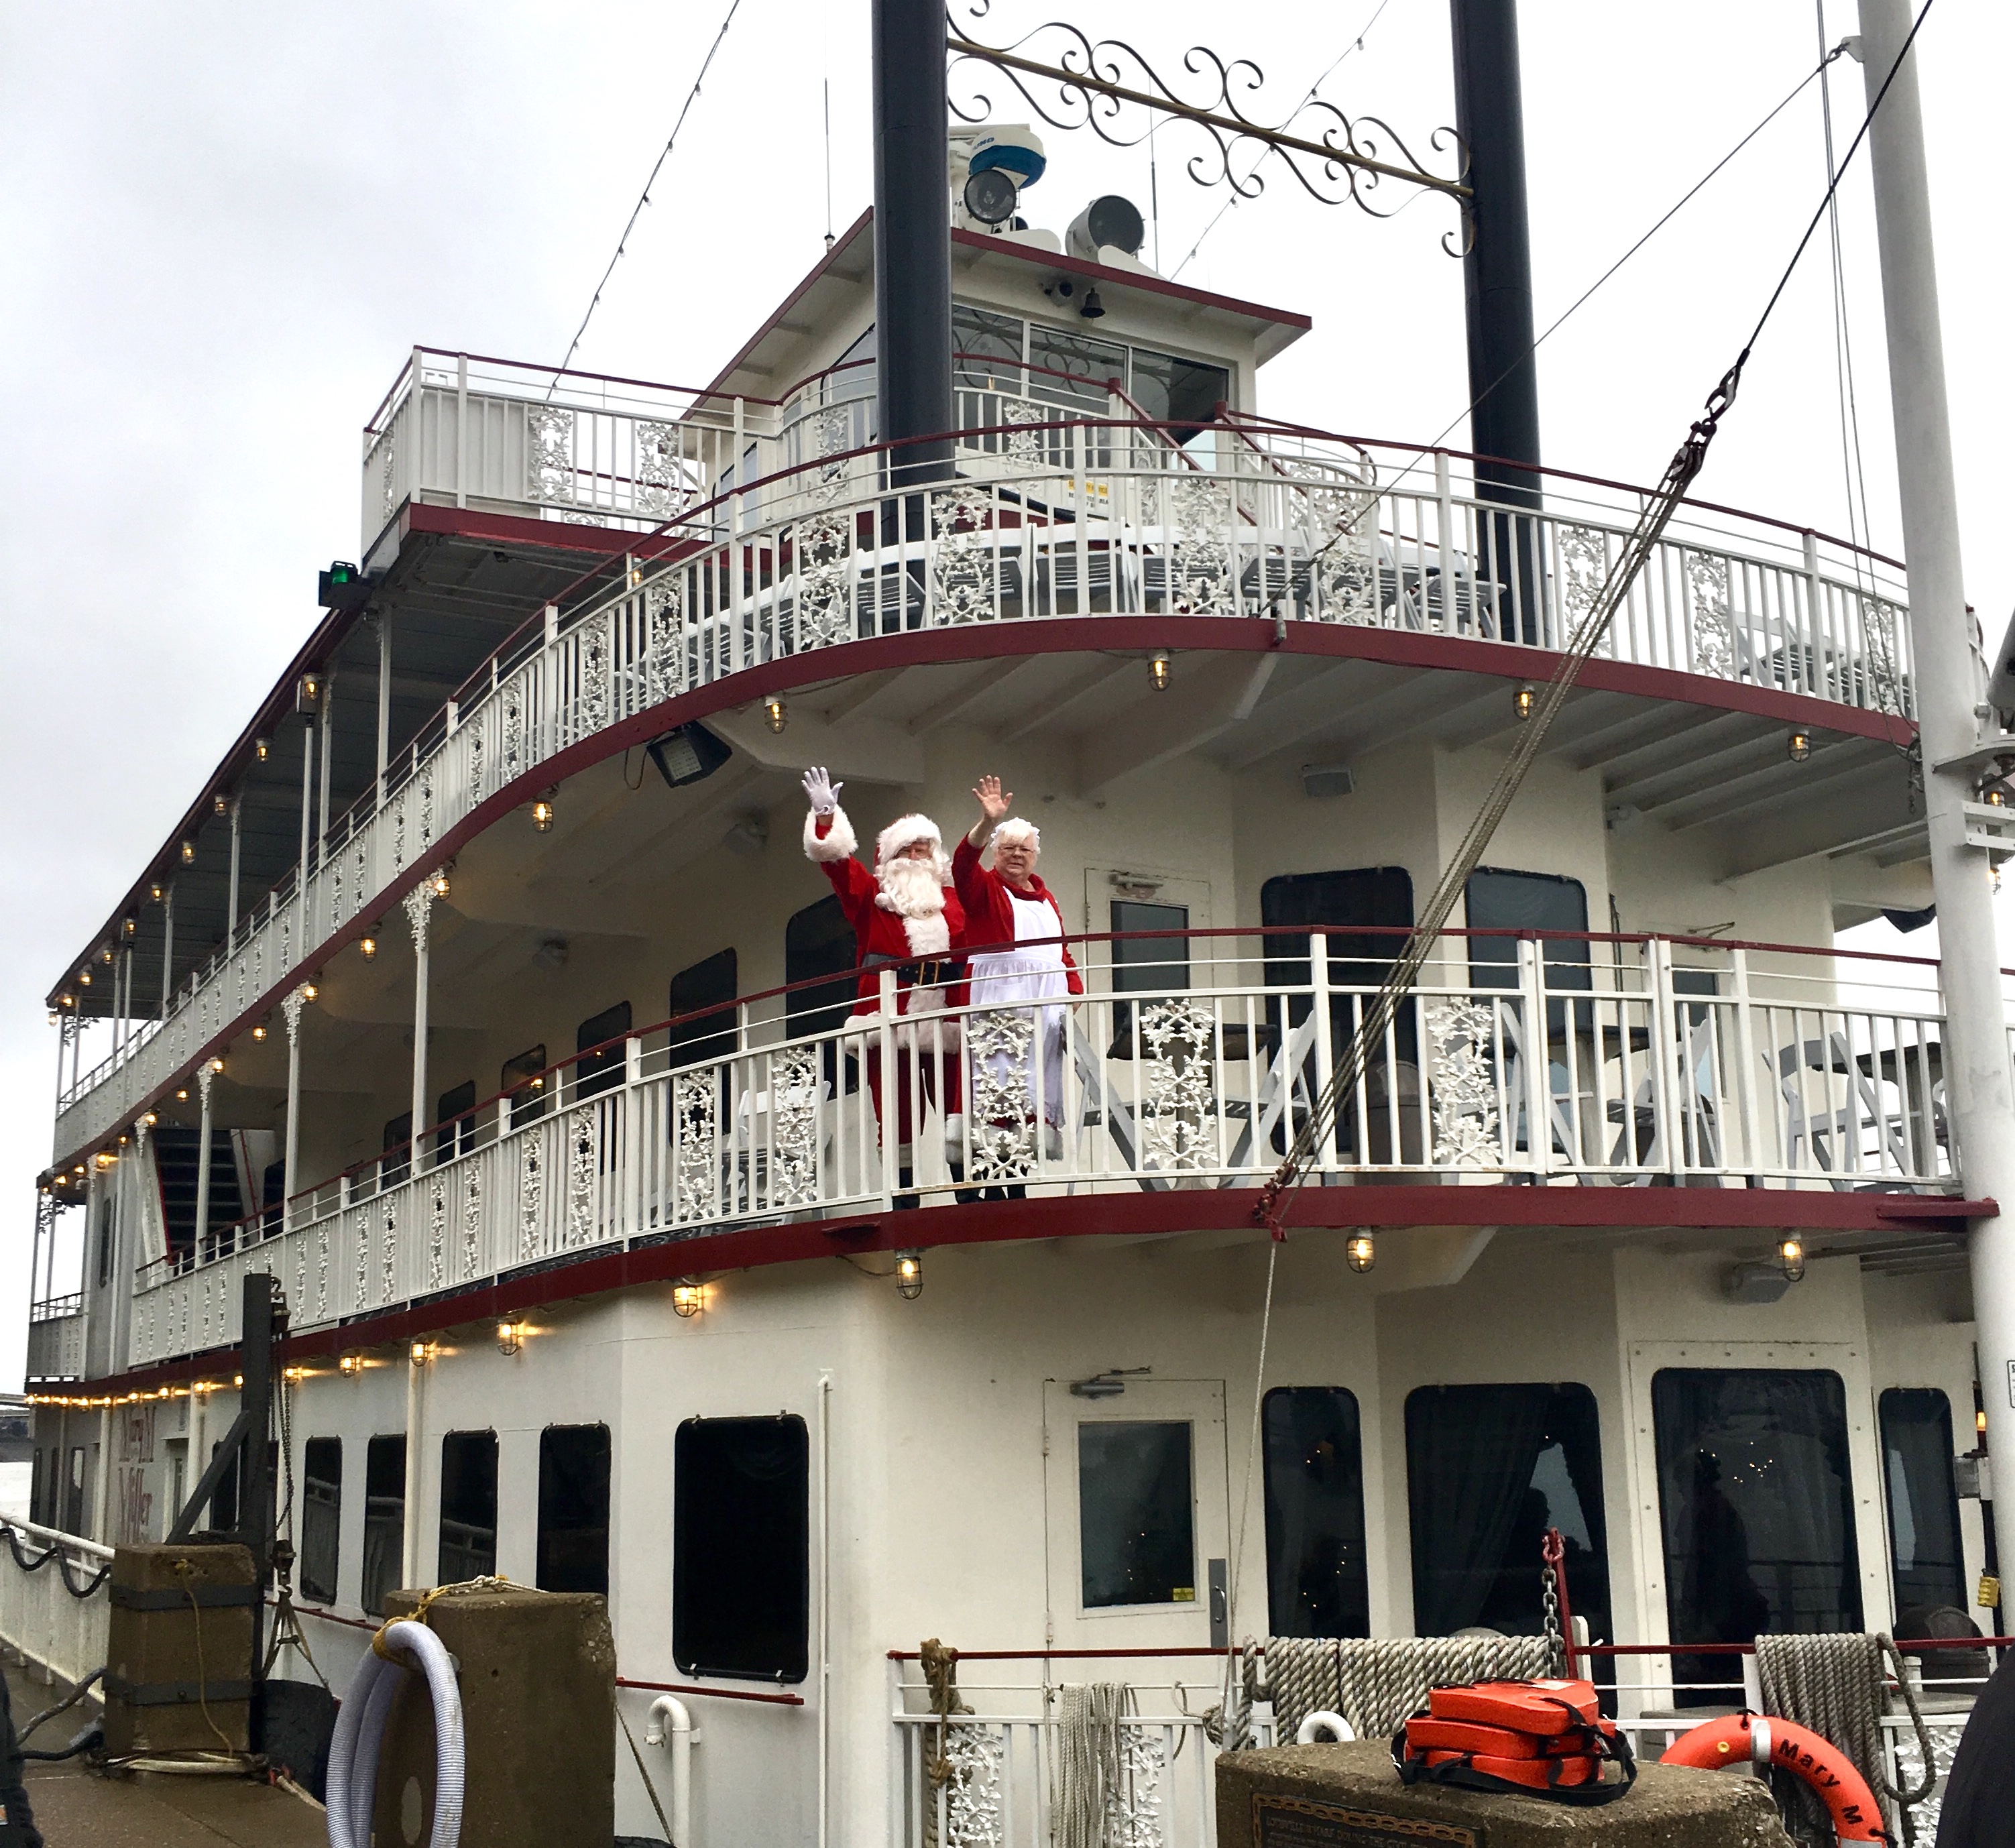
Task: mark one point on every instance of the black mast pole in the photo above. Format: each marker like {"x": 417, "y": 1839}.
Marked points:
{"x": 912, "y": 238}
{"x": 1497, "y": 286}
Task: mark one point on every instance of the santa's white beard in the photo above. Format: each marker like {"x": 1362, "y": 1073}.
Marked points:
{"x": 911, "y": 888}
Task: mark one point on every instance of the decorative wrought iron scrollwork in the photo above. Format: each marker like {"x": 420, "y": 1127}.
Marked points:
{"x": 1462, "y": 1083}
{"x": 549, "y": 471}
{"x": 1109, "y": 87}
{"x": 1708, "y": 618}
{"x": 961, "y": 579}
{"x": 1583, "y": 553}
{"x": 472, "y": 1219}
{"x": 663, "y": 491}
{"x": 584, "y": 1134}
{"x": 531, "y": 1190}
{"x": 1179, "y": 1037}
{"x": 696, "y": 1120}
{"x": 795, "y": 1086}
{"x": 1200, "y": 574}
{"x": 1001, "y": 1111}
{"x": 664, "y": 636}
{"x": 437, "y": 1232}
{"x": 820, "y": 548}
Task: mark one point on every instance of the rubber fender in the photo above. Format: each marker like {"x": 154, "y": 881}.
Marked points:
{"x": 1759, "y": 1738}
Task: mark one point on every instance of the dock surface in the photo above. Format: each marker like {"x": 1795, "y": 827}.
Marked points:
{"x": 73, "y": 1808}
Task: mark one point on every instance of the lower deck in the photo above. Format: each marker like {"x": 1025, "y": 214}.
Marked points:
{"x": 1053, "y": 1447}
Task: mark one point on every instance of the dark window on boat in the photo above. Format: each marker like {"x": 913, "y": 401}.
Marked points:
{"x": 1136, "y": 1516}
{"x": 398, "y": 1146}
{"x": 819, "y": 941}
{"x": 1316, "y": 1581}
{"x": 384, "y": 1520}
{"x": 1078, "y": 368}
{"x": 1489, "y": 1469}
{"x": 1923, "y": 1502}
{"x": 455, "y": 1112}
{"x": 1756, "y": 1501}
{"x": 468, "y": 1506}
{"x": 74, "y": 1510}
{"x": 272, "y": 1194}
{"x": 850, "y": 378}
{"x": 321, "y": 1516}
{"x": 523, "y": 1084}
{"x": 1179, "y": 392}
{"x": 1371, "y": 909}
{"x": 224, "y": 1501}
{"x": 989, "y": 350}
{"x": 1502, "y": 901}
{"x": 595, "y": 1072}
{"x": 711, "y": 983}
{"x": 107, "y": 1224}
{"x": 36, "y": 1507}
{"x": 1149, "y": 965}
{"x": 741, "y": 1547}
{"x": 573, "y": 1508}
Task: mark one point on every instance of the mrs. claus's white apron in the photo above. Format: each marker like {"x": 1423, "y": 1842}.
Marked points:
{"x": 1032, "y": 970}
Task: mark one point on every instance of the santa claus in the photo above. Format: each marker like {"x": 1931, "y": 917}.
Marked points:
{"x": 905, "y": 918}
{"x": 1010, "y": 911}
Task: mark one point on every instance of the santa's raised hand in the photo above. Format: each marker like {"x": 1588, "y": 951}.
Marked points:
{"x": 823, "y": 793}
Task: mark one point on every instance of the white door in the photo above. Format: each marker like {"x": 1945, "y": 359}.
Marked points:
{"x": 1138, "y": 1512}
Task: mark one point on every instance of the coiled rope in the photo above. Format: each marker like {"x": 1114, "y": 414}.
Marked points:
{"x": 1376, "y": 1682}
{"x": 1834, "y": 1685}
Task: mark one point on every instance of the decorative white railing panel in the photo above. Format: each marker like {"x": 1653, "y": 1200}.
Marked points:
{"x": 1090, "y": 522}
{"x": 55, "y": 1342}
{"x": 56, "y": 1606}
{"x": 1639, "y": 1073}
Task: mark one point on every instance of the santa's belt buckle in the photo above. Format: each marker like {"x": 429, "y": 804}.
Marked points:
{"x": 930, "y": 975}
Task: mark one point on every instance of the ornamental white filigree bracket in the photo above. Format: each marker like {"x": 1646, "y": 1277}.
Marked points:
{"x": 419, "y": 904}
{"x": 291, "y": 1007}
{"x": 205, "y": 1076}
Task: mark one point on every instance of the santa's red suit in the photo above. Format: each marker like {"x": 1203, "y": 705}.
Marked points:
{"x": 1028, "y": 960}
{"x": 908, "y": 923}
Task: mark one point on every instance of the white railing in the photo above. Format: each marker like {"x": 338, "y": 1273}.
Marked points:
{"x": 1005, "y": 1757}
{"x": 1074, "y": 519}
{"x": 55, "y": 1608}
{"x": 1689, "y": 1063}
{"x": 55, "y": 1339}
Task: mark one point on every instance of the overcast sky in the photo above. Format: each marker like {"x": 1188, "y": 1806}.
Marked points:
{"x": 224, "y": 225}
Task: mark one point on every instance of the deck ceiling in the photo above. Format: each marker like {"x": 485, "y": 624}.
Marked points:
{"x": 1680, "y": 767}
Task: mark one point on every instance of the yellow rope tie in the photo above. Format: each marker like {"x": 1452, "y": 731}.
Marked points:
{"x": 489, "y": 1581}
{"x": 188, "y": 1571}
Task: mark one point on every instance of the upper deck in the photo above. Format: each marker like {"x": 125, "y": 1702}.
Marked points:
{"x": 586, "y": 562}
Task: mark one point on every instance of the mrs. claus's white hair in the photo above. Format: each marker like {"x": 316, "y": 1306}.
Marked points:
{"x": 1019, "y": 830}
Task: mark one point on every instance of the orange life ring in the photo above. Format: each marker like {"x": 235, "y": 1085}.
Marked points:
{"x": 1756, "y": 1738}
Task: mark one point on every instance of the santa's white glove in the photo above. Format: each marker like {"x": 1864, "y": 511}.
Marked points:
{"x": 821, "y": 791}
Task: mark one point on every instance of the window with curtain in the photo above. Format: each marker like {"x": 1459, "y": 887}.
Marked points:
{"x": 711, "y": 983}
{"x": 1137, "y": 1512}
{"x": 321, "y": 1516}
{"x": 468, "y": 1506}
{"x": 598, "y": 1072}
{"x": 1924, "y": 1550}
{"x": 742, "y": 1548}
{"x": 1756, "y": 1504}
{"x": 384, "y": 1520}
{"x": 1314, "y": 1464}
{"x": 573, "y": 1508}
{"x": 1489, "y": 1468}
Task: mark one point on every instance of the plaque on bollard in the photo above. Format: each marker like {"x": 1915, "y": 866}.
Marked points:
{"x": 1293, "y": 1822}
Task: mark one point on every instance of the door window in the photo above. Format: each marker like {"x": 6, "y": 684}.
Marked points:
{"x": 321, "y": 1516}
{"x": 384, "y": 1520}
{"x": 468, "y": 1506}
{"x": 1137, "y": 1513}
{"x": 573, "y": 1508}
{"x": 711, "y": 984}
{"x": 742, "y": 1548}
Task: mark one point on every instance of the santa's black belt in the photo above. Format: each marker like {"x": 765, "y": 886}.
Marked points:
{"x": 925, "y": 972}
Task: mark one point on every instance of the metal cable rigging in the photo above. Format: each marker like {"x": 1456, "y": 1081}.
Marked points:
{"x": 1379, "y": 1016}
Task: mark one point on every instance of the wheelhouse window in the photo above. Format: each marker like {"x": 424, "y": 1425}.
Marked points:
{"x": 455, "y": 1112}
{"x": 741, "y": 1547}
{"x": 1314, "y": 1464}
{"x": 1181, "y": 392}
{"x": 711, "y": 983}
{"x": 1756, "y": 1504}
{"x": 468, "y": 1506}
{"x": 1137, "y": 1513}
{"x": 1489, "y": 1468}
{"x": 523, "y": 1083}
{"x": 596, "y": 1071}
{"x": 573, "y": 1508}
{"x": 321, "y": 1516}
{"x": 384, "y": 1520}
{"x": 1924, "y": 1548}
